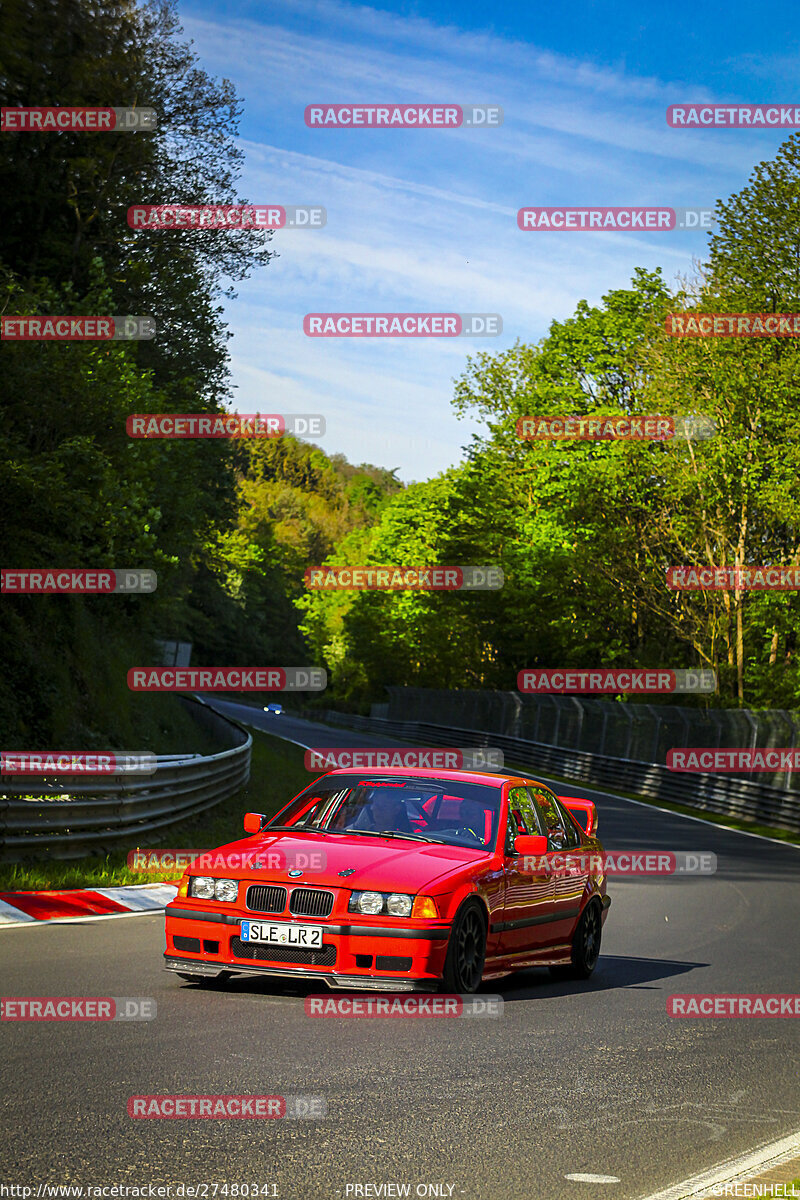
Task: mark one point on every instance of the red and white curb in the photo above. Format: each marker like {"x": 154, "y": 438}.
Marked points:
{"x": 27, "y": 908}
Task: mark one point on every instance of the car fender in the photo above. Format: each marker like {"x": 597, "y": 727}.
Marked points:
{"x": 593, "y": 891}
{"x": 448, "y": 903}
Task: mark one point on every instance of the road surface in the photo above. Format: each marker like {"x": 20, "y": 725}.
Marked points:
{"x": 574, "y": 1078}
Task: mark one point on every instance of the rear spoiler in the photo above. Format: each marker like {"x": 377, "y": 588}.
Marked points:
{"x": 584, "y": 811}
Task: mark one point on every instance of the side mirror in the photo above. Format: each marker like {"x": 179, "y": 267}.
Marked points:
{"x": 252, "y": 822}
{"x": 529, "y": 845}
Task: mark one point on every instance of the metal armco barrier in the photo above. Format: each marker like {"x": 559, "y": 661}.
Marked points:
{"x": 57, "y": 819}
{"x": 729, "y": 796}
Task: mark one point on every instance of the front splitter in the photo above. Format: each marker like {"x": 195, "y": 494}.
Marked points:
{"x": 370, "y": 983}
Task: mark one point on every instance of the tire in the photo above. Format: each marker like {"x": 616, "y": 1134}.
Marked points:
{"x": 585, "y": 945}
{"x": 466, "y": 951}
{"x": 205, "y": 980}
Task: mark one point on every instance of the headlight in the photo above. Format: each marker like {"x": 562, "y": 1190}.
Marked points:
{"x": 399, "y": 906}
{"x": 227, "y": 890}
{"x": 370, "y": 902}
{"x": 393, "y": 904}
{"x": 202, "y": 887}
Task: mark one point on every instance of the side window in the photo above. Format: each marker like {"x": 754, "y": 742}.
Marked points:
{"x": 314, "y": 812}
{"x": 512, "y": 829}
{"x": 521, "y": 807}
{"x": 573, "y": 834}
{"x": 552, "y": 821}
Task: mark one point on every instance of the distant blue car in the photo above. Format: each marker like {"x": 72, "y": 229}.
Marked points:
{"x": 274, "y": 710}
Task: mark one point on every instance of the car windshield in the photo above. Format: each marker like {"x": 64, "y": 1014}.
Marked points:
{"x": 457, "y": 814}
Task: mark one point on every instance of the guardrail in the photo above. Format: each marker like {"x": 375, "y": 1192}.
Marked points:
{"x": 637, "y": 731}
{"x": 728, "y": 796}
{"x": 53, "y": 818}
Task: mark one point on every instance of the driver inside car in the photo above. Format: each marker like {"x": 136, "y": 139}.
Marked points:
{"x": 472, "y": 817}
{"x": 385, "y": 811}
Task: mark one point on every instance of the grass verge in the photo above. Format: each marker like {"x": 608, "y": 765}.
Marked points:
{"x": 276, "y": 774}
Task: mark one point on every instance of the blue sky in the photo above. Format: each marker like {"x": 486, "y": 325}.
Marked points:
{"x": 425, "y": 220}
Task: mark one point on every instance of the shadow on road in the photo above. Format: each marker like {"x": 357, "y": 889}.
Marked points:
{"x": 613, "y": 971}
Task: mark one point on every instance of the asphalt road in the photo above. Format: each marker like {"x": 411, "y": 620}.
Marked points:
{"x": 573, "y": 1078}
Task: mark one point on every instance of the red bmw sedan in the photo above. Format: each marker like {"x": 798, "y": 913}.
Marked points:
{"x": 400, "y": 882}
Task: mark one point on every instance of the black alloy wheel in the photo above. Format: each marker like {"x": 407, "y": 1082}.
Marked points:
{"x": 466, "y": 953}
{"x": 585, "y": 945}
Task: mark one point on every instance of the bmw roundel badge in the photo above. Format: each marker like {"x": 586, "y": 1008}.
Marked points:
{"x": 293, "y": 874}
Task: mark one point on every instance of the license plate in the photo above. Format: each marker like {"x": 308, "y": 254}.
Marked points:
{"x": 309, "y": 936}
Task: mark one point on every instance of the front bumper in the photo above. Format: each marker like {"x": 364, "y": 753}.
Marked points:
{"x": 392, "y": 958}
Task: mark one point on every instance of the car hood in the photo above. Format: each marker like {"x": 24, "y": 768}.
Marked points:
{"x": 380, "y": 864}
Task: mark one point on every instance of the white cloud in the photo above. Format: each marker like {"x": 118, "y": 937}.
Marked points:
{"x": 425, "y": 221}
